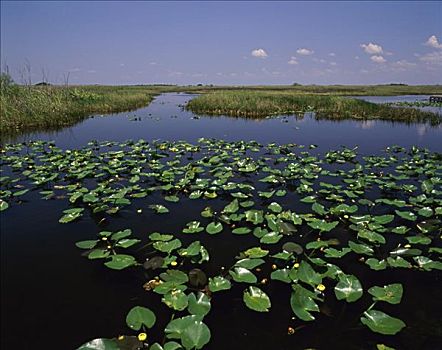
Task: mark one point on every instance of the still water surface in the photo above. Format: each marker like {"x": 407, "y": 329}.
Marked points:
{"x": 53, "y": 298}
{"x": 165, "y": 119}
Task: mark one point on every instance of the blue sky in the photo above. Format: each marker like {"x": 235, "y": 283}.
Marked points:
{"x": 224, "y": 42}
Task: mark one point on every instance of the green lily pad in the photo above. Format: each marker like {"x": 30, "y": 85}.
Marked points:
{"x": 139, "y": 316}
{"x": 391, "y": 293}
{"x": 120, "y": 261}
{"x": 380, "y": 322}
{"x": 348, "y": 288}
{"x": 214, "y": 228}
{"x": 199, "y": 305}
{"x": 302, "y": 303}
{"x": 240, "y": 274}
{"x": 256, "y": 299}
{"x": 219, "y": 283}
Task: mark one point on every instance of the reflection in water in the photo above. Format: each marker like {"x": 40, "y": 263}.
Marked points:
{"x": 367, "y": 124}
{"x": 403, "y": 98}
{"x": 166, "y": 119}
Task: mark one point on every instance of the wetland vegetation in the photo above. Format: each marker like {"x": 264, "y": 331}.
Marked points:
{"x": 39, "y": 107}
{"x": 249, "y": 103}
{"x": 297, "y": 238}
{"x": 343, "y": 236}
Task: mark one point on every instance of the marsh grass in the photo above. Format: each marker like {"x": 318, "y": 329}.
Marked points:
{"x": 259, "y": 104}
{"x": 27, "y": 108}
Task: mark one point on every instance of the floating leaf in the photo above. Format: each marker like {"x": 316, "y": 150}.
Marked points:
{"x": 292, "y": 247}
{"x": 197, "y": 278}
{"x": 219, "y": 283}
{"x": 256, "y": 252}
{"x": 175, "y": 299}
{"x": 214, "y": 227}
{"x": 240, "y": 274}
{"x": 71, "y": 215}
{"x": 380, "y": 322}
{"x": 139, "y": 316}
{"x": 167, "y": 247}
{"x": 256, "y": 299}
{"x": 271, "y": 238}
{"x": 3, "y": 205}
{"x": 391, "y": 293}
{"x": 100, "y": 344}
{"x": 348, "y": 288}
{"x": 199, "y": 305}
{"x": 86, "y": 244}
{"x": 120, "y": 261}
{"x": 406, "y": 215}
{"x": 302, "y": 303}
{"x": 241, "y": 230}
{"x": 323, "y": 225}
{"x": 249, "y": 263}
{"x": 194, "y": 334}
{"x": 159, "y": 209}
{"x": 275, "y": 207}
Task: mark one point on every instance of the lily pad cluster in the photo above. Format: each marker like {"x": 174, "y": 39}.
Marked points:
{"x": 309, "y": 214}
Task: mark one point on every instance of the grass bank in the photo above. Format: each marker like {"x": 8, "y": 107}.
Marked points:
{"x": 27, "y": 108}
{"x": 258, "y": 104}
{"x": 36, "y": 107}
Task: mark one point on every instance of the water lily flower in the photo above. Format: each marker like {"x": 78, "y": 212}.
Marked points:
{"x": 320, "y": 287}
{"x": 142, "y": 336}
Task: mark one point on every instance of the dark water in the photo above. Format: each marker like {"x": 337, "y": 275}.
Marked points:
{"x": 164, "y": 119}
{"x": 53, "y": 298}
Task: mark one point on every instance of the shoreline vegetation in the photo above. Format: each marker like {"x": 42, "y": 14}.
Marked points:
{"x": 261, "y": 104}
{"x": 48, "y": 107}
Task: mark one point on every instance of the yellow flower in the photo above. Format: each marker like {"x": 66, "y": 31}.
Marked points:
{"x": 407, "y": 246}
{"x": 120, "y": 337}
{"x": 174, "y": 263}
{"x": 142, "y": 336}
{"x": 296, "y": 265}
{"x": 320, "y": 287}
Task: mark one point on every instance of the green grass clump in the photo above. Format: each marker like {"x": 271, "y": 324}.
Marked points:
{"x": 36, "y": 107}
{"x": 259, "y": 104}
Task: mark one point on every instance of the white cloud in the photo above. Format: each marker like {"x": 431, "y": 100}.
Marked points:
{"x": 259, "y": 53}
{"x": 122, "y": 64}
{"x": 403, "y": 64}
{"x": 292, "y": 60}
{"x": 92, "y": 71}
{"x": 378, "y": 59}
{"x": 304, "y": 52}
{"x": 75, "y": 69}
{"x": 372, "y": 49}
{"x": 433, "y": 42}
{"x": 332, "y": 54}
{"x": 432, "y": 57}
{"x": 153, "y": 63}
{"x": 356, "y": 57}
{"x": 333, "y": 64}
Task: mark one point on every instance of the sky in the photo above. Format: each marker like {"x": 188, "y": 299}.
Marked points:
{"x": 237, "y": 43}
